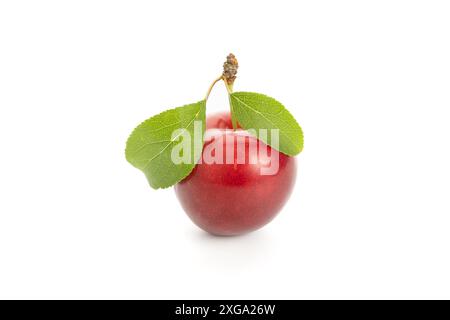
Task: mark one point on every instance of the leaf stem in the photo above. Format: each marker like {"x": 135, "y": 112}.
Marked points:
{"x": 230, "y": 91}
{"x": 228, "y": 86}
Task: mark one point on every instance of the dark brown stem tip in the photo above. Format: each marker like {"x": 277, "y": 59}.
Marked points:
{"x": 230, "y": 68}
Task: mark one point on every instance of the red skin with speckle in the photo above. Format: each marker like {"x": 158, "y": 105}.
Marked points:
{"x": 232, "y": 199}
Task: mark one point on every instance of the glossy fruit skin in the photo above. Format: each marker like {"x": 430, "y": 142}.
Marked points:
{"x": 232, "y": 199}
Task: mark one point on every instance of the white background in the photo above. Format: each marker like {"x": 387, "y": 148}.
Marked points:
{"x": 369, "y": 81}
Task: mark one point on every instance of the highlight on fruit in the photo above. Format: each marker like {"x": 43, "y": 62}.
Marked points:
{"x": 217, "y": 152}
{"x": 233, "y": 171}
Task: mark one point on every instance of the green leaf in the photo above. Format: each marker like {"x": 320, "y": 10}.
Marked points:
{"x": 258, "y": 111}
{"x": 149, "y": 147}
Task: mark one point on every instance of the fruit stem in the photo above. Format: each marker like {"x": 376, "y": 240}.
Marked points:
{"x": 212, "y": 86}
{"x": 228, "y": 76}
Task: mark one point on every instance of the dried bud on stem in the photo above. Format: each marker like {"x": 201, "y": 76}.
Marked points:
{"x": 230, "y": 69}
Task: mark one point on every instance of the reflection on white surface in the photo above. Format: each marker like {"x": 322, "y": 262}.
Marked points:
{"x": 232, "y": 252}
